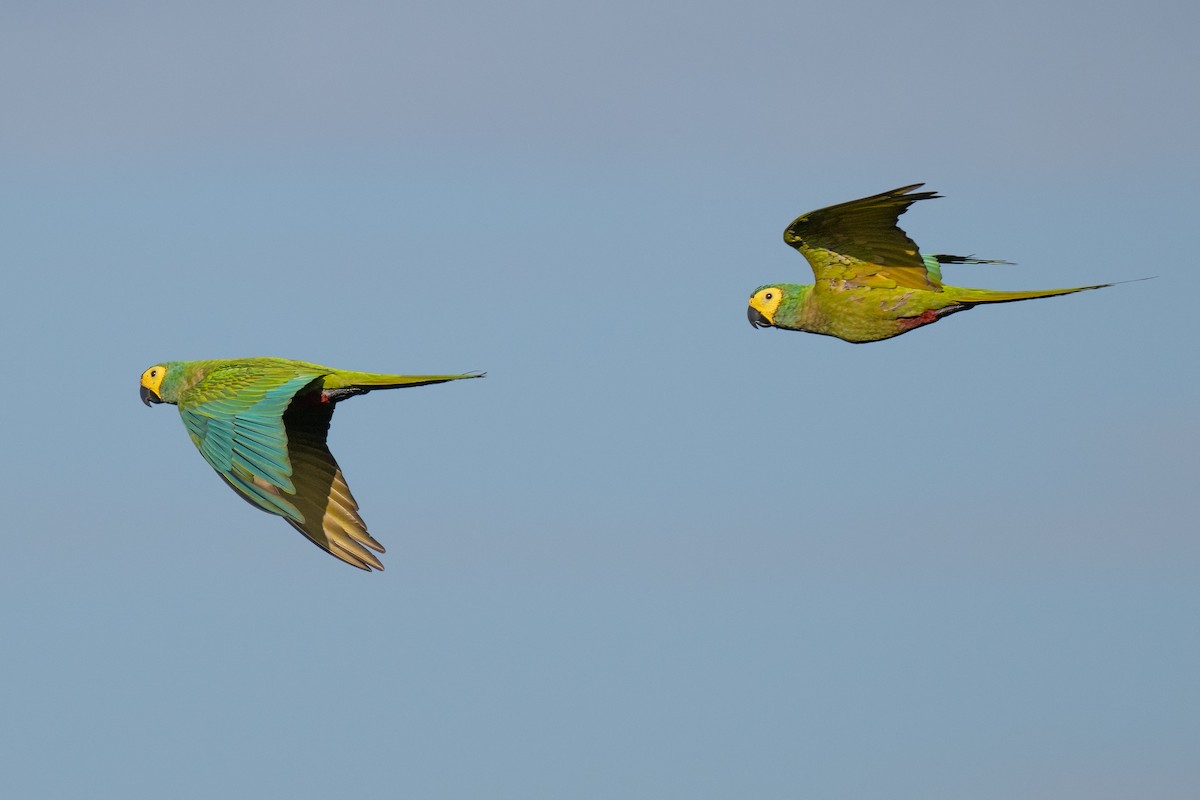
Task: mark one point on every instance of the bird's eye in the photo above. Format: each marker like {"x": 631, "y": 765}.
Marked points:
{"x": 153, "y": 373}
{"x": 768, "y": 296}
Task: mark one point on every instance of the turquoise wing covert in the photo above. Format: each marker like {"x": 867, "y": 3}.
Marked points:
{"x": 237, "y": 424}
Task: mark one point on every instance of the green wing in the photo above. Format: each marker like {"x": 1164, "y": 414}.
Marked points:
{"x": 235, "y": 418}
{"x": 272, "y": 452}
{"x": 859, "y": 242}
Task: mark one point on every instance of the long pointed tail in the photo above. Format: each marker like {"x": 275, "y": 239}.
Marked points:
{"x": 974, "y": 296}
{"x": 369, "y": 380}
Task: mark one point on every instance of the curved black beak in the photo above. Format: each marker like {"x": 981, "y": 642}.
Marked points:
{"x": 148, "y": 396}
{"x": 756, "y": 318}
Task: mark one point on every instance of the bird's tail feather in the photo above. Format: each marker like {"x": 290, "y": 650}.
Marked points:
{"x": 992, "y": 296}
{"x": 370, "y": 380}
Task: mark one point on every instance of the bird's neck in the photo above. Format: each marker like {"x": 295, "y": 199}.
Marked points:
{"x": 181, "y": 376}
{"x": 793, "y": 311}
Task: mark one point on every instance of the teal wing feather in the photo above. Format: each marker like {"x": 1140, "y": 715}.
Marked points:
{"x": 933, "y": 263}
{"x": 933, "y": 268}
{"x": 235, "y": 419}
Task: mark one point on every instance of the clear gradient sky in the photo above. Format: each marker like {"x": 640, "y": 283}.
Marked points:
{"x": 656, "y": 553}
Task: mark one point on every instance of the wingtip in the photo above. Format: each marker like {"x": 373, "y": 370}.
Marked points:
{"x": 360, "y": 557}
{"x": 908, "y": 192}
{"x": 945, "y": 258}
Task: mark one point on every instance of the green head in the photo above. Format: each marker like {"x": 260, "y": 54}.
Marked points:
{"x": 777, "y": 305}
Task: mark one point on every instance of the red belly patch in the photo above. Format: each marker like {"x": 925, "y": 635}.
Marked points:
{"x": 924, "y": 318}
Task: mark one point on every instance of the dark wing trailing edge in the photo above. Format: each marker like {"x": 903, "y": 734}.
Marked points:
{"x": 330, "y": 513}
{"x": 860, "y": 239}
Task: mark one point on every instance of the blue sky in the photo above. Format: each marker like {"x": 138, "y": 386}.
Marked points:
{"x": 656, "y": 553}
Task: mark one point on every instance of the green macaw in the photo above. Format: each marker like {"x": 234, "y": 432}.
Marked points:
{"x": 261, "y": 424}
{"x": 871, "y": 281}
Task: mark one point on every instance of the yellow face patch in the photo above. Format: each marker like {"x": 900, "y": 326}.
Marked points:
{"x": 766, "y": 301}
{"x": 153, "y": 378}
